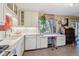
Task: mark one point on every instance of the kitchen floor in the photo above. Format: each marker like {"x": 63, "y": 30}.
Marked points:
{"x": 68, "y": 50}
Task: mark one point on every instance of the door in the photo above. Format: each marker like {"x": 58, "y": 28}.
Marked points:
{"x": 30, "y": 42}
{"x": 60, "y": 41}
{"x": 44, "y": 42}
{"x": 18, "y": 49}
{"x": 38, "y": 45}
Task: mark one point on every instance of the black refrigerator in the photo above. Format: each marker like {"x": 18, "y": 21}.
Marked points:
{"x": 70, "y": 35}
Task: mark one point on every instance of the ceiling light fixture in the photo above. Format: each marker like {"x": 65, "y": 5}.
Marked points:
{"x": 71, "y": 4}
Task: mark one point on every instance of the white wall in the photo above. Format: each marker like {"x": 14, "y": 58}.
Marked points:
{"x": 3, "y": 11}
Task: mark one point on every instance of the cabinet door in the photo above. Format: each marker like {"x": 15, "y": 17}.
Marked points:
{"x": 22, "y": 45}
{"x": 30, "y": 42}
{"x": 27, "y": 21}
{"x": 18, "y": 49}
{"x": 38, "y": 45}
{"x": 30, "y": 19}
{"x": 34, "y": 19}
{"x": 44, "y": 42}
{"x": 60, "y": 41}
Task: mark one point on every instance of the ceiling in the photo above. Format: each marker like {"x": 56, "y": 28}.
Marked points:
{"x": 52, "y": 8}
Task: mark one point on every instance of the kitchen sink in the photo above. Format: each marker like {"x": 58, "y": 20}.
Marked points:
{"x": 1, "y": 40}
{"x": 11, "y": 38}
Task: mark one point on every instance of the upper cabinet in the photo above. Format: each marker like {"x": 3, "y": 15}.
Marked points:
{"x": 31, "y": 19}
{"x": 15, "y": 9}
{"x": 12, "y": 7}
{"x": 20, "y": 15}
{"x": 18, "y": 12}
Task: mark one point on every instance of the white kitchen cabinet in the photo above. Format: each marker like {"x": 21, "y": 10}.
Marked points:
{"x": 38, "y": 42}
{"x": 30, "y": 42}
{"x": 20, "y": 15}
{"x": 60, "y": 41}
{"x": 35, "y": 42}
{"x": 20, "y": 47}
{"x": 44, "y": 42}
{"x": 31, "y": 19}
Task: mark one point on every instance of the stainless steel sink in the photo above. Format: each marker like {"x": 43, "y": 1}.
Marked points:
{"x": 11, "y": 38}
{"x": 1, "y": 40}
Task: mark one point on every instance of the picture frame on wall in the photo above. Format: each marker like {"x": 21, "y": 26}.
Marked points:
{"x": 65, "y": 22}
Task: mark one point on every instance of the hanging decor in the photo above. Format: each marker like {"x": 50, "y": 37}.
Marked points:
{"x": 7, "y": 23}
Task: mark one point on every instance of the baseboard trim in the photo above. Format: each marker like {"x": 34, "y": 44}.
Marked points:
{"x": 35, "y": 49}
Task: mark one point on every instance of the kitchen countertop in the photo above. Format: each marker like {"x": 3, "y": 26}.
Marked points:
{"x": 49, "y": 35}
{"x": 32, "y": 34}
{"x": 11, "y": 41}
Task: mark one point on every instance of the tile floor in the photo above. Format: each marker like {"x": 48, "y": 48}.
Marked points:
{"x": 68, "y": 50}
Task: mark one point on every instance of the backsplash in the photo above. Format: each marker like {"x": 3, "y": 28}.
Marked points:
{"x": 25, "y": 29}
{"x": 2, "y": 34}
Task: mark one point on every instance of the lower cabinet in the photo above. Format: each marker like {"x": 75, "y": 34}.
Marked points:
{"x": 60, "y": 41}
{"x": 20, "y": 47}
{"x": 35, "y": 42}
{"x": 44, "y": 42}
{"x": 30, "y": 42}
{"x": 38, "y": 45}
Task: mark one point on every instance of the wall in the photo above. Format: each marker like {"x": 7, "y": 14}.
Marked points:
{"x": 3, "y": 11}
{"x": 59, "y": 18}
{"x": 12, "y": 15}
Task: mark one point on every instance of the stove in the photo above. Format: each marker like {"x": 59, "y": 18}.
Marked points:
{"x": 3, "y": 47}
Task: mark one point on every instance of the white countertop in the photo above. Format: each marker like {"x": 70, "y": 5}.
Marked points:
{"x": 49, "y": 35}
{"x": 10, "y": 41}
{"x": 31, "y": 33}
